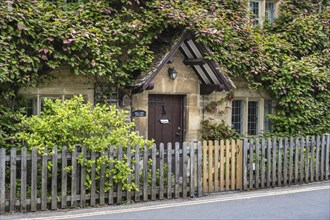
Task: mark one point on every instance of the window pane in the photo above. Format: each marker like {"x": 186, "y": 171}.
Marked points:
{"x": 252, "y": 117}
{"x": 236, "y": 117}
{"x": 270, "y": 11}
{"x": 255, "y": 9}
{"x": 268, "y": 109}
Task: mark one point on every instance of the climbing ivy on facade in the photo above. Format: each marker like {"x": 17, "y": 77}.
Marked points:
{"x": 118, "y": 40}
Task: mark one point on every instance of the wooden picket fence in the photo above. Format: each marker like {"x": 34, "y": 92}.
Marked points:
{"x": 29, "y": 183}
{"x": 176, "y": 171}
{"x": 286, "y": 161}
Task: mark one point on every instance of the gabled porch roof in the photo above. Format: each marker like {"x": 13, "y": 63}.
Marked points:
{"x": 207, "y": 70}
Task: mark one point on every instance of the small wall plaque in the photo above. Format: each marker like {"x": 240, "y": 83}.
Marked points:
{"x": 139, "y": 113}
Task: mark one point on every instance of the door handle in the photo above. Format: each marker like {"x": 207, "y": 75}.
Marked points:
{"x": 179, "y": 132}
{"x": 164, "y": 110}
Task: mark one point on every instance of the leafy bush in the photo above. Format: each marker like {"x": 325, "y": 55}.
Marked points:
{"x": 74, "y": 122}
{"x": 217, "y": 131}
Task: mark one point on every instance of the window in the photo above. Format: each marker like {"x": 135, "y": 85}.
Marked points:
{"x": 250, "y": 117}
{"x": 270, "y": 11}
{"x": 236, "y": 118}
{"x": 255, "y": 8}
{"x": 263, "y": 10}
{"x": 34, "y": 105}
{"x": 268, "y": 109}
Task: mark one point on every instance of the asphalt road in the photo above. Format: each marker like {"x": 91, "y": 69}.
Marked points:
{"x": 297, "y": 202}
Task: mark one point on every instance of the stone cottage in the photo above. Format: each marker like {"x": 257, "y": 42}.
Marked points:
{"x": 169, "y": 102}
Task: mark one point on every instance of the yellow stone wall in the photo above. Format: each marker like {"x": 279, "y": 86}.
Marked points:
{"x": 63, "y": 82}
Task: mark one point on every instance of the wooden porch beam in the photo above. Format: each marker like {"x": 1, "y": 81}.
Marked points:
{"x": 206, "y": 89}
{"x": 198, "y": 61}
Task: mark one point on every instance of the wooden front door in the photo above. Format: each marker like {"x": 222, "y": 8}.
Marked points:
{"x": 165, "y": 118}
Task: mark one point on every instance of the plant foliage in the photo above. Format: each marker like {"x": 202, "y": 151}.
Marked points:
{"x": 117, "y": 40}
{"x": 72, "y": 122}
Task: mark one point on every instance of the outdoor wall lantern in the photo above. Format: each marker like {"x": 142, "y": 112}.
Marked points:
{"x": 172, "y": 73}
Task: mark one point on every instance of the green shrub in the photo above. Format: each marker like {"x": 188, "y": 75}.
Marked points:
{"x": 71, "y": 122}
{"x": 217, "y": 131}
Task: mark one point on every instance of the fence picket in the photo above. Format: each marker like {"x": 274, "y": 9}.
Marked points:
{"x": 296, "y": 161}
{"x": 257, "y": 163}
{"x": 228, "y": 146}
{"x": 302, "y": 160}
{"x": 233, "y": 163}
{"x": 184, "y": 170}
{"x": 291, "y": 160}
{"x": 119, "y": 184}
{"x": 137, "y": 172}
{"x": 177, "y": 170}
{"x": 285, "y": 163}
{"x": 327, "y": 172}
{"x": 83, "y": 180}
{"x": 12, "y": 195}
{"x": 205, "y": 173}
{"x": 153, "y": 173}
{"x": 44, "y": 191}
{"x": 274, "y": 147}
{"x": 239, "y": 165}
{"x": 23, "y": 178}
{"x": 279, "y": 170}
{"x": 112, "y": 186}
{"x": 129, "y": 163}
{"x": 192, "y": 169}
{"x": 307, "y": 159}
{"x": 251, "y": 177}
{"x": 34, "y": 164}
{"x": 216, "y": 166}
{"x": 317, "y": 153}
{"x": 74, "y": 178}
{"x": 199, "y": 169}
{"x": 64, "y": 182}
{"x": 169, "y": 170}
{"x": 263, "y": 156}
{"x": 2, "y": 180}
{"x": 92, "y": 176}
{"x": 102, "y": 178}
{"x": 269, "y": 161}
{"x": 222, "y": 165}
{"x": 161, "y": 171}
{"x": 313, "y": 143}
{"x": 145, "y": 173}
{"x": 245, "y": 163}
{"x": 210, "y": 166}
{"x": 322, "y": 157}
{"x": 54, "y": 179}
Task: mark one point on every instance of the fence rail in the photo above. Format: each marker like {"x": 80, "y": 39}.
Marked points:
{"x": 31, "y": 182}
